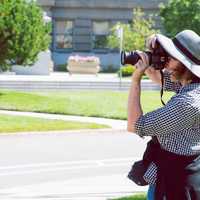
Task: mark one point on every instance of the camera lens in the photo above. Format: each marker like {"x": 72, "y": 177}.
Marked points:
{"x": 123, "y": 54}
{"x": 129, "y": 57}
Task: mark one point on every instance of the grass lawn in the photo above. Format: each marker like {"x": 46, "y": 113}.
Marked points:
{"x": 108, "y": 104}
{"x": 9, "y": 124}
{"x": 134, "y": 197}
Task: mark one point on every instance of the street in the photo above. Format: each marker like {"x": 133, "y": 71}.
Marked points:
{"x": 42, "y": 159}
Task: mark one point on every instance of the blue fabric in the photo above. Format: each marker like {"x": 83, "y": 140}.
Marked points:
{"x": 151, "y": 192}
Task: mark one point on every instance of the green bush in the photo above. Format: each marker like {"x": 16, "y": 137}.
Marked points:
{"x": 126, "y": 70}
{"x": 61, "y": 68}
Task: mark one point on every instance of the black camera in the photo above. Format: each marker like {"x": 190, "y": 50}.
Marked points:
{"x": 158, "y": 57}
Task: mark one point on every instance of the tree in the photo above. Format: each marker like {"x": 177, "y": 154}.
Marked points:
{"x": 178, "y": 15}
{"x": 135, "y": 33}
{"x": 23, "y": 32}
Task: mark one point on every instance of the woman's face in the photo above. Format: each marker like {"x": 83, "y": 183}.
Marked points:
{"x": 175, "y": 69}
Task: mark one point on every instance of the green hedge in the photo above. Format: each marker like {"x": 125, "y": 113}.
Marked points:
{"x": 126, "y": 70}
{"x": 61, "y": 68}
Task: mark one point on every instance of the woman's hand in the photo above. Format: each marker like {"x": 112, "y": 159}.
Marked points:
{"x": 151, "y": 42}
{"x": 141, "y": 65}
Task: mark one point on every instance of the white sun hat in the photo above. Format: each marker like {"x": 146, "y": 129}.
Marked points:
{"x": 185, "y": 47}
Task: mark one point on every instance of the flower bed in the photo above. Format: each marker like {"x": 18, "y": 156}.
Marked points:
{"x": 83, "y": 64}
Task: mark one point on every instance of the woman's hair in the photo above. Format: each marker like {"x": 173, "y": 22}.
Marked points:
{"x": 193, "y": 77}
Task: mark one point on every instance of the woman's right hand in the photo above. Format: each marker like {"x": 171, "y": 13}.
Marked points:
{"x": 151, "y": 42}
{"x": 143, "y": 63}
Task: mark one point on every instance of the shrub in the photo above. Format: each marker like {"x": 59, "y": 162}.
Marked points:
{"x": 61, "y": 68}
{"x": 23, "y": 33}
{"x": 126, "y": 70}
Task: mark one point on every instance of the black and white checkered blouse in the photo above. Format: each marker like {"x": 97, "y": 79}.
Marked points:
{"x": 176, "y": 125}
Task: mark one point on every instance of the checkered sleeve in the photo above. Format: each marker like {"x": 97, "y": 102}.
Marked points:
{"x": 175, "y": 116}
{"x": 169, "y": 85}
{"x": 151, "y": 174}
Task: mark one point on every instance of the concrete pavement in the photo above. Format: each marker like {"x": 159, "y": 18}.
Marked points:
{"x": 95, "y": 188}
{"x": 114, "y": 124}
{"x": 62, "y": 81}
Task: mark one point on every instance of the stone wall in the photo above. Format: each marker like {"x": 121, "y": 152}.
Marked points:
{"x": 147, "y": 4}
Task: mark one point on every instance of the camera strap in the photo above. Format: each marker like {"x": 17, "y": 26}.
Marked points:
{"x": 162, "y": 89}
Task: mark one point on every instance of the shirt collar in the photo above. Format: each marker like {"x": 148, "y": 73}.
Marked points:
{"x": 189, "y": 87}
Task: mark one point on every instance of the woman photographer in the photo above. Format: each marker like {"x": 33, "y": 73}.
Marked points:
{"x": 174, "y": 169}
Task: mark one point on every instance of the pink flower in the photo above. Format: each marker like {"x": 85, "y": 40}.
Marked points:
{"x": 78, "y": 58}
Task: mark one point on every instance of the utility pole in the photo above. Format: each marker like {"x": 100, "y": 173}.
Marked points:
{"x": 119, "y": 33}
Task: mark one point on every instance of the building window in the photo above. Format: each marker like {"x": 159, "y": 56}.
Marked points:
{"x": 63, "y": 34}
{"x": 100, "y": 33}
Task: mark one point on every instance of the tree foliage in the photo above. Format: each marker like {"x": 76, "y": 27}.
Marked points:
{"x": 134, "y": 33}
{"x": 23, "y": 32}
{"x": 178, "y": 15}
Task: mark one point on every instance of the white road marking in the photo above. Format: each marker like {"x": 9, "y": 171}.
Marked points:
{"x": 60, "y": 166}
{"x": 115, "y": 160}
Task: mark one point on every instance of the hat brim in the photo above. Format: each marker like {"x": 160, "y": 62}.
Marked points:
{"x": 172, "y": 50}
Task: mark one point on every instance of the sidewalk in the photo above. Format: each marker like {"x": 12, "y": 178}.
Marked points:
{"x": 63, "y": 81}
{"x": 114, "y": 124}
{"x": 64, "y": 76}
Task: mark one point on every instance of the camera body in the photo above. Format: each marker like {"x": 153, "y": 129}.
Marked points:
{"x": 158, "y": 57}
